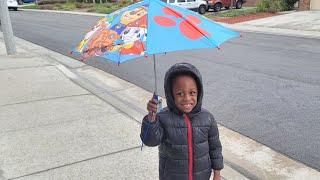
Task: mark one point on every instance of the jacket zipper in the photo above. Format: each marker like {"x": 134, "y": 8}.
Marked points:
{"x": 190, "y": 148}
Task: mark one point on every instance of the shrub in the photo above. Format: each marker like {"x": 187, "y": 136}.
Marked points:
{"x": 275, "y": 5}
{"x": 290, "y": 4}
{"x": 263, "y": 6}
{"x": 124, "y": 3}
{"x": 79, "y": 5}
{"x": 271, "y": 6}
{"x": 67, "y": 6}
{"x": 83, "y": 5}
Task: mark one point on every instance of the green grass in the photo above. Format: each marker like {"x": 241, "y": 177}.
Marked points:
{"x": 33, "y": 6}
{"x": 107, "y": 8}
{"x": 237, "y": 12}
{"x": 58, "y": 6}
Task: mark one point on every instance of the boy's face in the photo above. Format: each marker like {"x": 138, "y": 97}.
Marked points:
{"x": 185, "y": 93}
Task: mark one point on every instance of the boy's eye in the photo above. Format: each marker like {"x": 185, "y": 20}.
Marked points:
{"x": 179, "y": 93}
{"x": 193, "y": 93}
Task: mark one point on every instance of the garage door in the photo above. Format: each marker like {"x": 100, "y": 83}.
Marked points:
{"x": 315, "y": 5}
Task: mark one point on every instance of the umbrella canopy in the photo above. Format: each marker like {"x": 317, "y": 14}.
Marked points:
{"x": 150, "y": 27}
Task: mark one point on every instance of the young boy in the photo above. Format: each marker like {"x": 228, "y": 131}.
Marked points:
{"x": 187, "y": 135}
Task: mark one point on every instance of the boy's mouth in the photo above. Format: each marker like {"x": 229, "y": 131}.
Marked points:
{"x": 187, "y": 106}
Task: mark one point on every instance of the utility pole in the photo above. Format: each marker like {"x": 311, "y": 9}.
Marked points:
{"x": 7, "y": 28}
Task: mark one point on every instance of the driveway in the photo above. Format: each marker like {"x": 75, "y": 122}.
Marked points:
{"x": 300, "y": 20}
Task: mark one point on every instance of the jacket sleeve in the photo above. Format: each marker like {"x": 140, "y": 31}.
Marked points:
{"x": 151, "y": 132}
{"x": 215, "y": 148}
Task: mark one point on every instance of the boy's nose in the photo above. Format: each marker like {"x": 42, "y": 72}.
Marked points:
{"x": 187, "y": 97}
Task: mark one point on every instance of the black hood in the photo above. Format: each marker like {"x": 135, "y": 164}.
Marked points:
{"x": 182, "y": 68}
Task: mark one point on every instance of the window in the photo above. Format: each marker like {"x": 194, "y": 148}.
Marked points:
{"x": 180, "y": 1}
{"x": 191, "y": 0}
{"x": 172, "y": 1}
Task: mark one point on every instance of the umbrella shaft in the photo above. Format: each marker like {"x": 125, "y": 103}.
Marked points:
{"x": 155, "y": 75}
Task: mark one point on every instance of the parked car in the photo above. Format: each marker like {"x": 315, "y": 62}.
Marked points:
{"x": 20, "y": 2}
{"x": 12, "y": 4}
{"x": 200, "y": 5}
{"x": 216, "y": 5}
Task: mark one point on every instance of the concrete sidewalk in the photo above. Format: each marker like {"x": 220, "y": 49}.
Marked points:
{"x": 63, "y": 119}
{"x": 296, "y": 23}
{"x": 52, "y": 128}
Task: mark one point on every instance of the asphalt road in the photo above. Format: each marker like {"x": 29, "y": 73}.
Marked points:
{"x": 263, "y": 86}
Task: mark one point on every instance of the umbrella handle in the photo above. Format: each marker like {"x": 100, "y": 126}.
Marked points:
{"x": 159, "y": 109}
{"x": 159, "y": 105}
{"x": 155, "y": 96}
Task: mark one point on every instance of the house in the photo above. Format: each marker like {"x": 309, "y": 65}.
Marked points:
{"x": 305, "y": 5}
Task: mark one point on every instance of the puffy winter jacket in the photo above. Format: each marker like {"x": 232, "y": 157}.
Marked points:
{"x": 189, "y": 145}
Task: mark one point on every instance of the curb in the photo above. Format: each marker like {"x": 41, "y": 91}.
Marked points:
{"x": 64, "y": 12}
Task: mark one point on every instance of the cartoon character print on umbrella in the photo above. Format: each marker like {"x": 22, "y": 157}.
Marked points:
{"x": 133, "y": 38}
{"x": 188, "y": 26}
{"x": 118, "y": 28}
{"x": 135, "y": 17}
{"x": 125, "y": 38}
{"x": 99, "y": 40}
{"x": 134, "y": 35}
{"x": 102, "y": 24}
{"x": 102, "y": 43}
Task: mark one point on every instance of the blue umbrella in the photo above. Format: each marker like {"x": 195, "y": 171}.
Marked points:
{"x": 150, "y": 27}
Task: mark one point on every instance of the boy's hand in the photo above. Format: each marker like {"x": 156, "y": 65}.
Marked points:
{"x": 216, "y": 175}
{"x": 152, "y": 108}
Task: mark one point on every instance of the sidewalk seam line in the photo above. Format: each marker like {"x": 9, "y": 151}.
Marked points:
{"x": 50, "y": 124}
{"x": 76, "y": 162}
{"x": 27, "y": 67}
{"x": 46, "y": 99}
{"x": 33, "y": 127}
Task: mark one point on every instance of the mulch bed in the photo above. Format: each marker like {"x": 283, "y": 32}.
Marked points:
{"x": 238, "y": 19}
